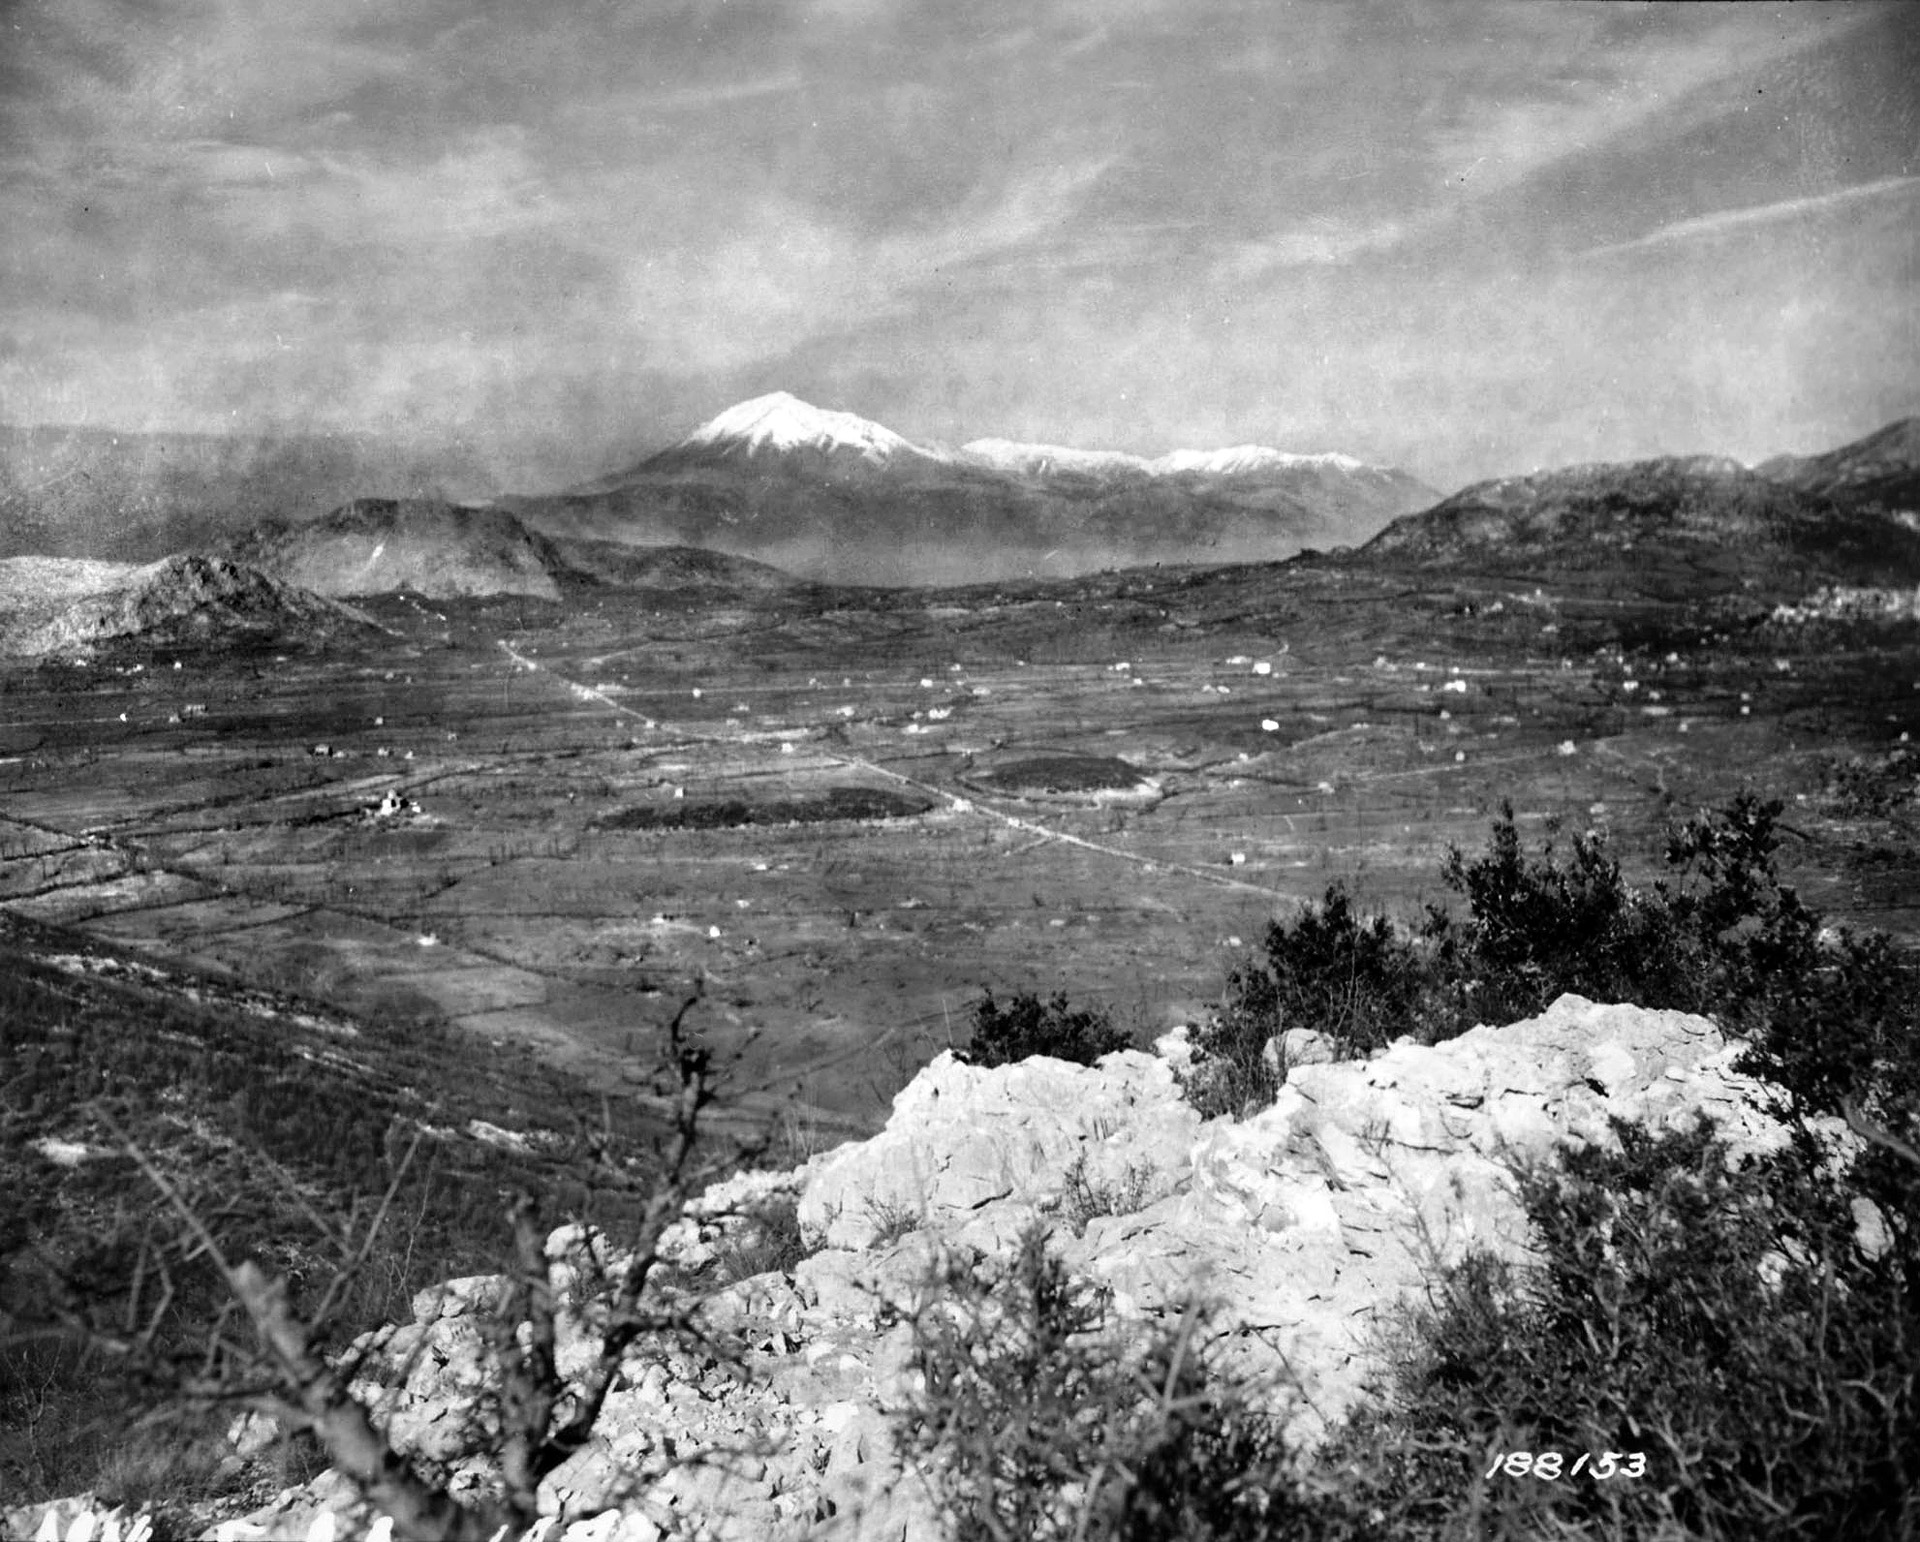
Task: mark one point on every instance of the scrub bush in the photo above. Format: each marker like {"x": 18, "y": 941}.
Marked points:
{"x": 1028, "y": 1026}
{"x": 1042, "y": 1417}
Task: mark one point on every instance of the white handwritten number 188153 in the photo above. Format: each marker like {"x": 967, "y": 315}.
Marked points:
{"x": 1551, "y": 1464}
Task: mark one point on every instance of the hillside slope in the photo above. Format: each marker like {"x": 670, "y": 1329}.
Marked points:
{"x": 1695, "y": 524}
{"x": 375, "y": 545}
{"x": 1881, "y": 471}
{"x": 48, "y": 605}
{"x": 450, "y": 551}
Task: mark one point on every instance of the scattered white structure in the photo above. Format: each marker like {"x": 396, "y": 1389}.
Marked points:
{"x": 393, "y": 804}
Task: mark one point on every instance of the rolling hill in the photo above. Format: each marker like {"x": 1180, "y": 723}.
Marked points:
{"x": 75, "y": 607}
{"x": 374, "y": 545}
{"x": 1696, "y": 524}
{"x": 450, "y": 551}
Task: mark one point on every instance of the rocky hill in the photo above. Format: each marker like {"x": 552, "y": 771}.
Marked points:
{"x": 1303, "y": 1225}
{"x": 447, "y": 551}
{"x": 373, "y": 545}
{"x": 75, "y": 607}
{"x": 1696, "y": 525}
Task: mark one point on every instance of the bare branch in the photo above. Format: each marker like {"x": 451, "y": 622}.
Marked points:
{"x": 357, "y": 1260}
{"x": 358, "y": 1449}
{"x": 1878, "y": 1134}
{"x": 626, "y": 1319}
{"x": 316, "y": 1392}
{"x": 530, "y": 1383}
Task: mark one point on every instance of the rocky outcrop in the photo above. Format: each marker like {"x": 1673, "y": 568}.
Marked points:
{"x": 1301, "y": 1225}
{"x": 81, "y": 607}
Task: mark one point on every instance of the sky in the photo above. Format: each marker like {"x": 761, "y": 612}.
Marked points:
{"x": 1466, "y": 239}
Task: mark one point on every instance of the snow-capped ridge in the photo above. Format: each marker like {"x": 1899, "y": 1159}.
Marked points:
{"x": 780, "y": 421}
{"x": 1235, "y": 460}
{"x": 1047, "y": 459}
{"x": 1239, "y": 459}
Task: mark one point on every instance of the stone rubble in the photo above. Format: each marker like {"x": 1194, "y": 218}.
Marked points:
{"x": 1301, "y": 1224}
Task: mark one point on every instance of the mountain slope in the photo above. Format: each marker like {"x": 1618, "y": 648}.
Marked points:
{"x": 449, "y": 551}
{"x": 1881, "y": 471}
{"x": 831, "y": 495}
{"x": 780, "y": 424}
{"x": 1697, "y": 524}
{"x": 48, "y": 605}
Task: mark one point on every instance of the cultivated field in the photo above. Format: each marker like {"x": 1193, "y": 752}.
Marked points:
{"x": 849, "y": 811}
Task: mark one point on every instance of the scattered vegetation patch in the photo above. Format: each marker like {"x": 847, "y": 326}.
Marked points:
{"x": 1873, "y": 786}
{"x": 1743, "y": 1337}
{"x": 285, "y": 1138}
{"x": 1065, "y": 773}
{"x": 892, "y": 1219}
{"x": 1722, "y": 936}
{"x": 1700, "y": 1346}
{"x": 1084, "y": 1198}
{"x": 731, "y": 813}
{"x": 771, "y": 1239}
{"x": 1753, "y": 1369}
{"x": 1028, "y": 1026}
{"x": 1042, "y": 1417}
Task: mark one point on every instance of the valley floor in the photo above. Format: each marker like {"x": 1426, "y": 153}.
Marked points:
{"x": 848, "y": 812}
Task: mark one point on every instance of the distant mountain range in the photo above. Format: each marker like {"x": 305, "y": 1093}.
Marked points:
{"x": 107, "y": 493}
{"x": 825, "y": 494}
{"x": 832, "y": 495}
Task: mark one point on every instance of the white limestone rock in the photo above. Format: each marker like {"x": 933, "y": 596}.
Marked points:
{"x": 964, "y": 1137}
{"x": 1302, "y": 1226}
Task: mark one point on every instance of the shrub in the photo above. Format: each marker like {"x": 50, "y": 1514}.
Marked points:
{"x": 1362, "y": 983}
{"x": 773, "y": 1239}
{"x": 1723, "y": 1322}
{"x": 1729, "y": 1323}
{"x": 1873, "y": 787}
{"x": 1722, "y": 934}
{"x": 1084, "y": 1199}
{"x": 1750, "y": 930}
{"x": 891, "y": 1220}
{"x": 1028, "y": 1026}
{"x": 1538, "y": 928}
{"x": 1040, "y": 1419}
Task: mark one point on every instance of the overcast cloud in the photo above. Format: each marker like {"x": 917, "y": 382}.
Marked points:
{"x": 1467, "y": 239}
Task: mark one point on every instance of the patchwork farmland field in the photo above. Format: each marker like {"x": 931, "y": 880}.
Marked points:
{"x": 849, "y": 811}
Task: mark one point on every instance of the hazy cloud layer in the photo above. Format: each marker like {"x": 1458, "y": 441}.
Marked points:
{"x": 1464, "y": 238}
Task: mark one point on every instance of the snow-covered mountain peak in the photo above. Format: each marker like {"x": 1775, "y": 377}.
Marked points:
{"x": 1237, "y": 460}
{"x": 1241, "y": 459}
{"x": 781, "y": 421}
